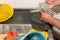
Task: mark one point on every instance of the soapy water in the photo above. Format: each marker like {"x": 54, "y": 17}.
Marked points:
{"x": 35, "y": 38}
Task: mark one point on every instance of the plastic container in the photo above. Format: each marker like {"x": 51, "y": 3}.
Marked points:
{"x": 32, "y": 36}
{"x": 6, "y": 11}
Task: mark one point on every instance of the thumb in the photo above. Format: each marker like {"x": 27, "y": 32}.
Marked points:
{"x": 50, "y": 3}
{"x": 43, "y": 13}
{"x": 41, "y": 18}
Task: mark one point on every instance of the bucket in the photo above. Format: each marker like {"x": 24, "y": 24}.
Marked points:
{"x": 32, "y": 36}
{"x": 6, "y": 12}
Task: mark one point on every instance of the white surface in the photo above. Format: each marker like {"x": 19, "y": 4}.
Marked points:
{"x": 23, "y": 3}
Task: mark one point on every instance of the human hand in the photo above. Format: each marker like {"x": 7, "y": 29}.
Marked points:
{"x": 46, "y": 17}
{"x": 52, "y": 3}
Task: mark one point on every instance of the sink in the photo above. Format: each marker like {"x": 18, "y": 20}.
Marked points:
{"x": 21, "y": 16}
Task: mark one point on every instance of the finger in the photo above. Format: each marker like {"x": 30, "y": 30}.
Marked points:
{"x": 41, "y": 18}
{"x": 49, "y": 2}
{"x": 43, "y": 12}
{"x": 51, "y": 6}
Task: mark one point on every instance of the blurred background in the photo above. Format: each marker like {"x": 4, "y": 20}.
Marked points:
{"x": 20, "y": 22}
